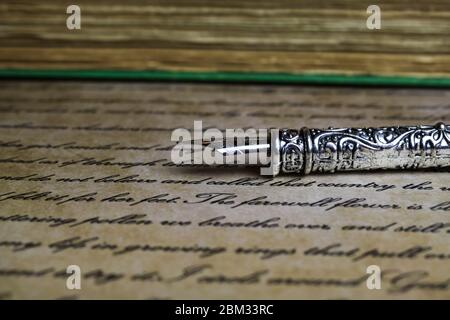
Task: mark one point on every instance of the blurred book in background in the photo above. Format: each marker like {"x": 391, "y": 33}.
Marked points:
{"x": 267, "y": 38}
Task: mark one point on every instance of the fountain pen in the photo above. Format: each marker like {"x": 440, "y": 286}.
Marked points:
{"x": 305, "y": 151}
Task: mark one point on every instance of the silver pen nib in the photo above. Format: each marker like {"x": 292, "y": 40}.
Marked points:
{"x": 246, "y": 146}
{"x": 245, "y": 151}
{"x": 224, "y": 148}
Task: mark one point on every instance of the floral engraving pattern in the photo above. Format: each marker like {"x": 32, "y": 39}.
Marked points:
{"x": 365, "y": 148}
{"x": 292, "y": 150}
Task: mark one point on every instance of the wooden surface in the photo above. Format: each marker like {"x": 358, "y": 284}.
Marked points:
{"x": 320, "y": 37}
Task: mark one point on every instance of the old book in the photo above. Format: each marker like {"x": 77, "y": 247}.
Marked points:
{"x": 268, "y": 38}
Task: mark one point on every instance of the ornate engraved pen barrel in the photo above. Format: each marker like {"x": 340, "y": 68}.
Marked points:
{"x": 307, "y": 151}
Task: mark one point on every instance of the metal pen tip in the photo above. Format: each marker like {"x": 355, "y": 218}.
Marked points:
{"x": 245, "y": 151}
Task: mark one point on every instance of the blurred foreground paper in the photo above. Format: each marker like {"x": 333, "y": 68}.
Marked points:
{"x": 85, "y": 180}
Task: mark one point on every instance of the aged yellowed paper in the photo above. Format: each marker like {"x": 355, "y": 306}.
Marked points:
{"x": 86, "y": 180}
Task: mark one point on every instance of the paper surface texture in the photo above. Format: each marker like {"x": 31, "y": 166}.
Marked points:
{"x": 86, "y": 180}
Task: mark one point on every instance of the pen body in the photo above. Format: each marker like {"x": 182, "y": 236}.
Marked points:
{"x": 330, "y": 150}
